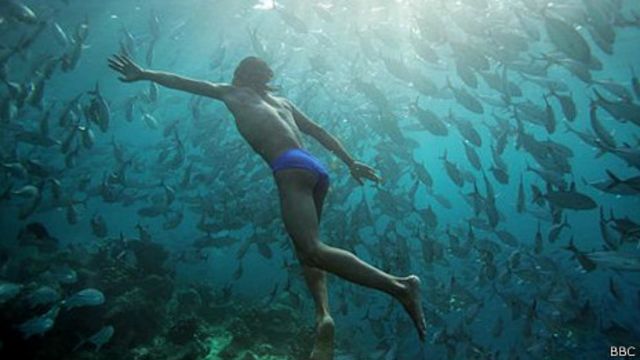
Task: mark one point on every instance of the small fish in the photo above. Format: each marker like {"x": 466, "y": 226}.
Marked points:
{"x": 99, "y": 226}
{"x": 8, "y": 291}
{"x": 99, "y": 339}
{"x": 150, "y": 121}
{"x": 521, "y": 207}
{"x": 41, "y": 324}
{"x": 18, "y": 11}
{"x": 61, "y": 35}
{"x": 538, "y": 243}
{"x": 63, "y": 274}
{"x": 85, "y": 297}
{"x": 43, "y": 295}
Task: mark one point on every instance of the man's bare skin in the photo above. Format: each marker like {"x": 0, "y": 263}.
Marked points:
{"x": 272, "y": 125}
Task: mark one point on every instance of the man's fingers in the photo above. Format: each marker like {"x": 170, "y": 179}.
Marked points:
{"x": 115, "y": 64}
{"x": 118, "y": 58}
{"x": 115, "y": 67}
{"x": 123, "y": 60}
{"x": 126, "y": 57}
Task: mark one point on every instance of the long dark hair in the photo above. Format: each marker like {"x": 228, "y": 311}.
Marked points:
{"x": 253, "y": 72}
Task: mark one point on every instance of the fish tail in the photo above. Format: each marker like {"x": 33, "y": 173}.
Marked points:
{"x": 571, "y": 247}
{"x": 615, "y": 180}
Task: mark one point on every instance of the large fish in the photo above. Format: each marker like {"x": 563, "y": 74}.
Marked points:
{"x": 567, "y": 39}
{"x": 621, "y": 110}
{"x": 615, "y": 260}
{"x": 570, "y": 199}
{"x": 566, "y": 104}
{"x": 601, "y": 133}
{"x": 429, "y": 120}
{"x": 632, "y": 182}
{"x": 465, "y": 99}
{"x": 466, "y": 129}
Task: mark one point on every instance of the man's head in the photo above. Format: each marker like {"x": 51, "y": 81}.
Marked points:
{"x": 253, "y": 72}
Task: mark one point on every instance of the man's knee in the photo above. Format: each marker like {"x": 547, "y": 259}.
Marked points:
{"x": 311, "y": 255}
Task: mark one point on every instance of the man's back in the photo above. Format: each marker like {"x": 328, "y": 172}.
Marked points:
{"x": 266, "y": 122}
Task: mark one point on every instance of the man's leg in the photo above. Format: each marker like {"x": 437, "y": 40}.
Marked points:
{"x": 300, "y": 220}
{"x": 316, "y": 280}
{"x": 325, "y": 328}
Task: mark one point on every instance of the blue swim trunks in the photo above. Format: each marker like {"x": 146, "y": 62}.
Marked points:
{"x": 296, "y": 158}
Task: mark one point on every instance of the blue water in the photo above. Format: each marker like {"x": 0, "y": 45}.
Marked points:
{"x": 196, "y": 33}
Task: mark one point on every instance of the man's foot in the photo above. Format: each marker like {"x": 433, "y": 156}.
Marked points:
{"x": 323, "y": 346}
{"x": 411, "y": 300}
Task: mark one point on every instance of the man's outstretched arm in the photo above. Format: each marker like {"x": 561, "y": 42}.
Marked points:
{"x": 308, "y": 126}
{"x": 131, "y": 72}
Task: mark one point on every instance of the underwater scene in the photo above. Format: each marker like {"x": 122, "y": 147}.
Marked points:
{"x": 164, "y": 166}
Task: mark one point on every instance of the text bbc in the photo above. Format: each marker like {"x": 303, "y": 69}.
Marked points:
{"x": 622, "y": 351}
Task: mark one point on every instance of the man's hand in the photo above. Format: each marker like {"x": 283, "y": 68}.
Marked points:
{"x": 360, "y": 170}
{"x": 129, "y": 70}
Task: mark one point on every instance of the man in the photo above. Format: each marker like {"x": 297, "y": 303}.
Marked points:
{"x": 272, "y": 126}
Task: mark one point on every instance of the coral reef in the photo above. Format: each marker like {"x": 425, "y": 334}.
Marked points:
{"x": 153, "y": 316}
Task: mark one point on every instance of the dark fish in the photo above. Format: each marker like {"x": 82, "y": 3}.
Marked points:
{"x": 99, "y": 226}
{"x": 472, "y": 156}
{"x": 555, "y": 230}
{"x": 586, "y": 263}
{"x": 567, "y": 39}
{"x": 36, "y": 234}
{"x": 537, "y": 242}
{"x": 452, "y": 170}
{"x": 429, "y": 120}
{"x": 620, "y": 110}
{"x": 550, "y": 124}
{"x": 602, "y": 134}
{"x": 466, "y": 129}
{"x": 442, "y": 200}
{"x": 632, "y": 182}
{"x": 466, "y": 74}
{"x": 635, "y": 84}
{"x": 614, "y": 290}
{"x": 264, "y": 250}
{"x": 500, "y": 174}
{"x": 424, "y": 50}
{"x": 423, "y": 174}
{"x": 520, "y": 207}
{"x": 465, "y": 99}
{"x": 507, "y": 238}
{"x": 570, "y": 199}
